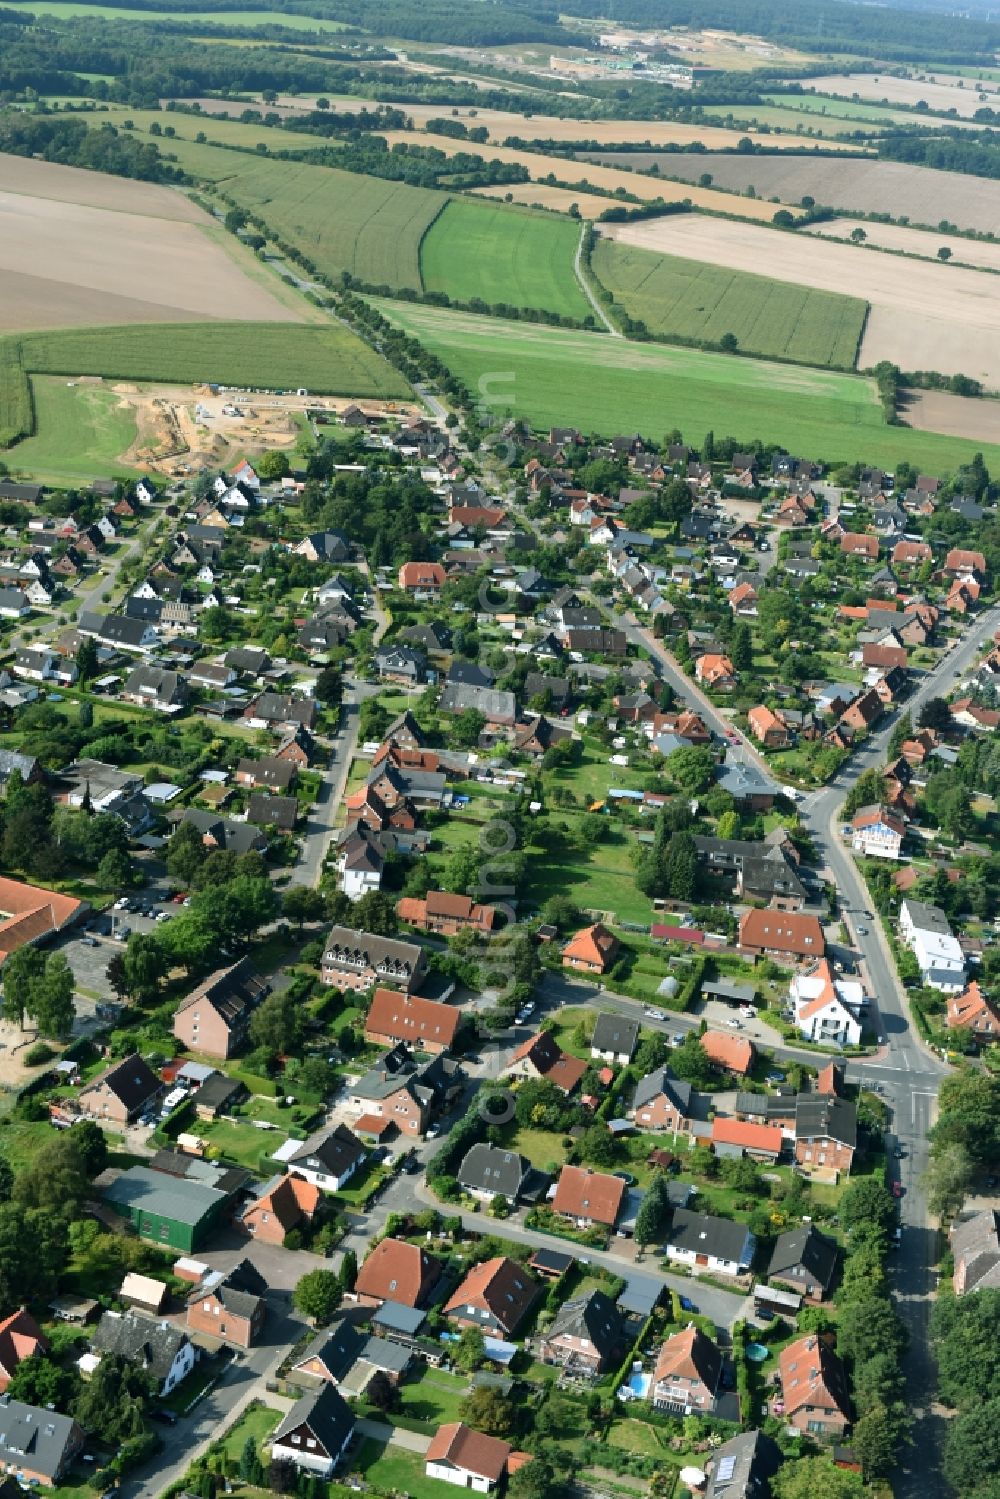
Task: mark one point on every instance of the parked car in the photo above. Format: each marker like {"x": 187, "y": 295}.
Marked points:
{"x": 897, "y": 1189}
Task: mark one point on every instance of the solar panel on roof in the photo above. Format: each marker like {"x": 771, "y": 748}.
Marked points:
{"x": 727, "y": 1467}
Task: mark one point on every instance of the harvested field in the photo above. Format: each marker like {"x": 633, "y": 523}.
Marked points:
{"x": 556, "y": 199}
{"x": 920, "y": 194}
{"x": 937, "y": 411}
{"x": 939, "y": 92}
{"x": 584, "y": 172}
{"x": 805, "y": 110}
{"x": 504, "y": 255}
{"x": 974, "y": 252}
{"x": 66, "y": 263}
{"x": 960, "y": 338}
{"x": 688, "y": 300}
{"x": 47, "y": 179}
{"x": 606, "y": 385}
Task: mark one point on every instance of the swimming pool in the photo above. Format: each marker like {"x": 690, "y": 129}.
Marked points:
{"x": 636, "y": 1387}
{"x": 756, "y": 1353}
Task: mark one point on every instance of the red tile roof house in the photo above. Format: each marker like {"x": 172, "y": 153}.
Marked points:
{"x": 964, "y": 564}
{"x": 422, "y": 578}
{"x": 972, "y": 1012}
{"x": 884, "y": 656}
{"x": 729, "y": 1053}
{"x": 397, "y": 1271}
{"x": 767, "y": 728}
{"x": 687, "y": 1373}
{"x": 911, "y": 553}
{"x": 715, "y": 671}
{"x": 877, "y": 833}
{"x": 495, "y": 1296}
{"x": 20, "y": 1338}
{"x": 288, "y": 1204}
{"x": 466, "y": 1458}
{"x": 592, "y": 950}
{"x": 731, "y": 1137}
{"x": 588, "y": 1197}
{"x": 814, "y": 1396}
{"x": 424, "y": 1023}
{"x": 781, "y": 934}
{"x": 858, "y": 544}
{"x": 446, "y": 914}
{"x": 540, "y": 1056}
{"x": 866, "y": 709}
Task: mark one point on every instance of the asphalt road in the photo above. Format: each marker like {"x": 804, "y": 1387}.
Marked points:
{"x": 908, "y": 1072}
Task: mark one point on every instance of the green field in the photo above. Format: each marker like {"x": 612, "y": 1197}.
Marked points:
{"x": 605, "y": 385}
{"x": 329, "y": 360}
{"x": 504, "y": 255}
{"x": 62, "y": 9}
{"x": 342, "y": 221}
{"x": 690, "y": 300}
{"x": 234, "y": 132}
{"x": 81, "y": 430}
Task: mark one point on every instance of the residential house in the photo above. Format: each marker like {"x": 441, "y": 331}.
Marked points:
{"x": 781, "y": 935}
{"x": 715, "y": 671}
{"x": 827, "y": 1008}
{"x": 586, "y": 1337}
{"x": 814, "y": 1391}
{"x": 329, "y": 1162}
{"x": 398, "y": 1272}
{"x": 877, "y": 833}
{"x": 281, "y": 710}
{"x": 155, "y": 687}
{"x": 20, "y": 1338}
{"x": 121, "y": 1092}
{"x": 737, "y": 1137}
{"x": 975, "y": 1250}
{"x": 467, "y": 1458}
{"x": 230, "y": 1305}
{"x": 750, "y": 788}
{"x": 686, "y": 1374}
{"x": 662, "y": 1101}
{"x": 965, "y": 564}
{"x": 360, "y": 861}
{"x": 446, "y": 915}
{"x": 401, "y": 664}
{"x": 859, "y": 544}
{"x": 423, "y": 1023}
{"x": 284, "y": 1204}
{"x": 702, "y": 1242}
{"x": 489, "y": 1171}
{"x": 422, "y": 579}
{"x": 36, "y": 1443}
{"x": 164, "y": 1351}
{"x": 743, "y": 1467}
{"x": 826, "y": 1134}
{"x": 323, "y": 546}
{"x": 536, "y": 736}
{"x": 927, "y": 932}
{"x": 316, "y": 1432}
{"x": 36, "y": 664}
{"x": 866, "y": 710}
{"x": 975, "y": 1014}
{"x": 397, "y": 1093}
{"x": 342, "y": 1352}
{"x": 540, "y": 1056}
{"x": 588, "y": 1197}
{"x": 267, "y": 811}
{"x": 499, "y": 708}
{"x": 495, "y": 1296}
{"x": 591, "y": 950}
{"x": 13, "y": 603}
{"x": 759, "y": 870}
{"x": 728, "y": 1052}
{"x": 267, "y": 774}
{"x": 804, "y": 1260}
{"x": 767, "y": 728}
{"x": 214, "y": 1019}
{"x": 355, "y": 960}
{"x": 615, "y": 1039}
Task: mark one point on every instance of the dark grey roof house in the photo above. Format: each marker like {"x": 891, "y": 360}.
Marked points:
{"x": 615, "y": 1038}
{"x": 162, "y": 1349}
{"x": 743, "y": 1467}
{"x": 490, "y": 1171}
{"x": 805, "y": 1260}
{"x": 316, "y": 1432}
{"x": 35, "y": 1442}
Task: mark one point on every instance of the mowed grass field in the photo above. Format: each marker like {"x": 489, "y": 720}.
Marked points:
{"x": 329, "y": 360}
{"x": 605, "y": 385}
{"x": 80, "y": 430}
{"x": 506, "y": 255}
{"x": 687, "y": 299}
{"x": 366, "y": 226}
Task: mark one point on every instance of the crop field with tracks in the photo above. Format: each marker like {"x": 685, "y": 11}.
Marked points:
{"x": 501, "y": 255}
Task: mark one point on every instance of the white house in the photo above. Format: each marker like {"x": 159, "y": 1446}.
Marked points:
{"x": 328, "y": 1163}
{"x": 467, "y": 1458}
{"x": 928, "y": 934}
{"x": 163, "y": 1350}
{"x": 36, "y": 664}
{"x": 360, "y": 862}
{"x": 877, "y": 833}
{"x": 705, "y": 1243}
{"x": 107, "y": 528}
{"x": 827, "y": 1009}
{"x": 316, "y": 1432}
{"x": 615, "y": 1039}
{"x": 13, "y": 603}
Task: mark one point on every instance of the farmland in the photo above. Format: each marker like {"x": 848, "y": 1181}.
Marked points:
{"x": 63, "y": 9}
{"x": 920, "y": 194}
{"x": 82, "y": 430}
{"x": 329, "y": 360}
{"x": 960, "y": 336}
{"x": 611, "y": 385}
{"x": 936, "y": 93}
{"x": 542, "y": 195}
{"x": 504, "y": 255}
{"x": 689, "y": 300}
{"x": 366, "y": 226}
{"x": 922, "y": 242}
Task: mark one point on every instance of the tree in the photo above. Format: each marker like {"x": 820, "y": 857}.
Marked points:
{"x": 466, "y": 727}
{"x": 741, "y": 647}
{"x": 86, "y": 659}
{"x": 944, "y": 253}
{"x": 690, "y": 1063}
{"x": 21, "y": 973}
{"x": 40, "y": 1381}
{"x": 488, "y": 1411}
{"x": 963, "y": 1335}
{"x": 114, "y": 872}
{"x": 729, "y": 343}
{"x": 185, "y": 853}
{"x": 536, "y": 1480}
{"x": 469, "y": 1352}
{"x": 936, "y": 715}
{"x": 348, "y": 1270}
{"x": 692, "y": 768}
{"x": 866, "y": 1201}
{"x": 144, "y": 966}
{"x": 598, "y": 1145}
{"x": 382, "y": 1393}
{"x": 868, "y": 790}
{"x": 251, "y": 1468}
{"x": 273, "y": 465}
{"x": 654, "y": 1212}
{"x": 968, "y": 1114}
{"x": 810, "y": 1477}
{"x": 858, "y": 235}
{"x": 317, "y": 1295}
{"x": 328, "y": 688}
{"x": 948, "y": 1179}
{"x": 281, "y": 1475}
{"x": 52, "y": 998}
{"x": 874, "y": 1440}
{"x": 302, "y": 903}
{"x": 728, "y": 825}
{"x": 972, "y": 1447}
{"x": 92, "y": 1147}
{"x": 276, "y": 1024}
{"x": 113, "y": 1401}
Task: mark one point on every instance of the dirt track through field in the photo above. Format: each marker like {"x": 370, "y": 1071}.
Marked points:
{"x": 851, "y": 185}
{"x": 961, "y": 337}
{"x": 63, "y": 263}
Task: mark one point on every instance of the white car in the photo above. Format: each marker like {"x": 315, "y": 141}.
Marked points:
{"x": 735, "y": 1025}
{"x": 748, "y": 1012}
{"x": 121, "y": 905}
{"x": 653, "y": 1014}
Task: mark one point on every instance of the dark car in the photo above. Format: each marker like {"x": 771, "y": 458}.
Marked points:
{"x": 167, "y": 1418}
{"x": 411, "y": 1165}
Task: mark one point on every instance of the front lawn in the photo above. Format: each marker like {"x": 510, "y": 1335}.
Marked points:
{"x": 394, "y": 1470}
{"x": 434, "y": 1396}
{"x": 257, "y": 1421}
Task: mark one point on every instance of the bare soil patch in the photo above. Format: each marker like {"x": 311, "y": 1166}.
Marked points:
{"x": 74, "y": 264}
{"x": 962, "y": 336}
{"x": 940, "y": 92}
{"x": 956, "y": 416}
{"x": 913, "y": 241}
{"x": 47, "y": 179}
{"x": 853, "y": 185}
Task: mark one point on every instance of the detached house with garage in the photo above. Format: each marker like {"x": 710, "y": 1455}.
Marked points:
{"x": 975, "y": 1014}
{"x": 705, "y": 1243}
{"x": 615, "y": 1039}
{"x": 662, "y": 1101}
{"x": 540, "y": 1056}
{"x": 826, "y": 1134}
{"x": 327, "y": 1163}
{"x": 164, "y": 1351}
{"x": 423, "y": 1023}
{"x": 587, "y": 1336}
{"x": 399, "y": 1272}
{"x": 687, "y": 1374}
{"x": 782, "y": 935}
{"x": 466, "y": 1458}
{"x": 230, "y": 1306}
{"x": 804, "y": 1260}
{"x": 36, "y": 1443}
{"x": 316, "y": 1433}
{"x": 489, "y": 1171}
{"x": 589, "y": 1197}
{"x": 121, "y": 1092}
{"x": 495, "y": 1296}
{"x": 592, "y": 950}
{"x": 814, "y": 1391}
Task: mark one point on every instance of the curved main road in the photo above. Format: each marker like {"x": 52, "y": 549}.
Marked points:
{"x": 908, "y": 1072}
